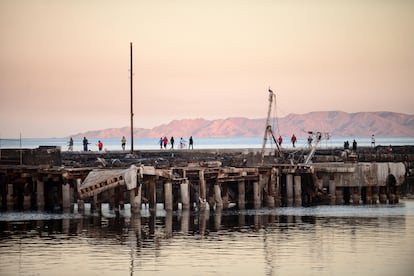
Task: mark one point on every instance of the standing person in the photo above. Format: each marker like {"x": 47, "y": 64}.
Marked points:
{"x": 191, "y": 143}
{"x": 161, "y": 141}
{"x": 100, "y": 145}
{"x": 85, "y": 144}
{"x": 165, "y": 141}
{"x": 293, "y": 139}
{"x": 123, "y": 142}
{"x": 182, "y": 143}
{"x": 70, "y": 147}
{"x": 354, "y": 146}
{"x": 373, "y": 141}
{"x": 310, "y": 139}
{"x": 172, "y": 142}
{"x": 280, "y": 140}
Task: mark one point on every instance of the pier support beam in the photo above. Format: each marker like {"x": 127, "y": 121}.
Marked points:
{"x": 135, "y": 198}
{"x": 10, "y": 198}
{"x": 339, "y": 196}
{"x": 202, "y": 184}
{"x": 81, "y": 204}
{"x": 298, "y": 190}
{"x": 152, "y": 200}
{"x": 382, "y": 195}
{"x": 217, "y": 196}
{"x": 375, "y": 197}
{"x": 27, "y": 196}
{"x": 270, "y": 202}
{"x": 40, "y": 195}
{"x": 256, "y": 195}
{"x": 332, "y": 191}
{"x": 185, "y": 197}
{"x": 66, "y": 197}
{"x": 356, "y": 195}
{"x": 168, "y": 204}
{"x": 275, "y": 180}
{"x": 241, "y": 200}
{"x": 289, "y": 190}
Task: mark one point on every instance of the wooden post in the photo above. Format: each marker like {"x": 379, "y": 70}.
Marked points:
{"x": 332, "y": 191}
{"x": 202, "y": 184}
{"x": 10, "y": 198}
{"x": 185, "y": 197}
{"x": 40, "y": 195}
{"x": 27, "y": 196}
{"x": 168, "y": 224}
{"x": 81, "y": 204}
{"x": 375, "y": 196}
{"x": 168, "y": 205}
{"x": 152, "y": 200}
{"x": 185, "y": 220}
{"x": 275, "y": 179}
{"x": 289, "y": 189}
{"x": 242, "y": 195}
{"x": 267, "y": 179}
{"x": 96, "y": 206}
{"x": 368, "y": 195}
{"x": 225, "y": 196}
{"x": 217, "y": 196}
{"x": 256, "y": 195}
{"x": 339, "y": 196}
{"x": 298, "y": 190}
{"x": 135, "y": 198}
{"x": 356, "y": 195}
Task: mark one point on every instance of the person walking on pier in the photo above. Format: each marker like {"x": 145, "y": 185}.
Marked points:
{"x": 373, "y": 141}
{"x": 172, "y": 142}
{"x": 280, "y": 140}
{"x": 85, "y": 144}
{"x": 293, "y": 140}
{"x": 123, "y": 142}
{"x": 70, "y": 146}
{"x": 182, "y": 143}
{"x": 354, "y": 146}
{"x": 191, "y": 143}
{"x": 161, "y": 141}
{"x": 165, "y": 141}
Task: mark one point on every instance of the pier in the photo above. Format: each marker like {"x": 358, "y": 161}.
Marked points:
{"x": 197, "y": 180}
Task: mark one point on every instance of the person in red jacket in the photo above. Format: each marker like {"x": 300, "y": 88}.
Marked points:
{"x": 165, "y": 142}
{"x": 100, "y": 145}
{"x": 280, "y": 140}
{"x": 293, "y": 140}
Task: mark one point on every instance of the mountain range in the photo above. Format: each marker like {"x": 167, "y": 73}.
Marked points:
{"x": 337, "y": 123}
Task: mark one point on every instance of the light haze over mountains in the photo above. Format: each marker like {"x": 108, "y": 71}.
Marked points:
{"x": 336, "y": 122}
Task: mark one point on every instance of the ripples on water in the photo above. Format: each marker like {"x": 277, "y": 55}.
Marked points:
{"x": 324, "y": 240}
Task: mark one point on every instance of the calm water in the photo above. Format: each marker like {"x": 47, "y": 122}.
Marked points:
{"x": 199, "y": 143}
{"x": 324, "y": 240}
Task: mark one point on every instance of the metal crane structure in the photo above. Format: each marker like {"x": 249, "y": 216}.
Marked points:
{"x": 318, "y": 137}
{"x": 268, "y": 129}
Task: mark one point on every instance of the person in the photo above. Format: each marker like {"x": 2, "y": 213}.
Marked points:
{"x": 70, "y": 147}
{"x": 293, "y": 140}
{"x": 182, "y": 143}
{"x": 372, "y": 141}
{"x": 354, "y": 145}
{"x": 100, "y": 145}
{"x": 346, "y": 145}
{"x": 123, "y": 142}
{"x": 310, "y": 139}
{"x": 172, "y": 142}
{"x": 280, "y": 140}
{"x": 85, "y": 144}
{"x": 165, "y": 141}
{"x": 190, "y": 144}
{"x": 161, "y": 141}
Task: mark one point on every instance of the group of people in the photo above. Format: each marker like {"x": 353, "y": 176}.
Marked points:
{"x": 85, "y": 144}
{"x": 164, "y": 142}
{"x": 293, "y": 139}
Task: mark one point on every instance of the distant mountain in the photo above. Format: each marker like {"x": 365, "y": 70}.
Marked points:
{"x": 336, "y": 122}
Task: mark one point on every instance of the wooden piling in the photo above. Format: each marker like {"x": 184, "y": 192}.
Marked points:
{"x": 356, "y": 195}
{"x": 256, "y": 195}
{"x": 168, "y": 204}
{"x": 66, "y": 197}
{"x": 10, "y": 197}
{"x": 275, "y": 180}
{"x": 217, "y": 196}
{"x": 152, "y": 200}
{"x": 270, "y": 187}
{"x": 298, "y": 190}
{"x": 332, "y": 191}
{"x": 289, "y": 189}
{"x": 185, "y": 197}
{"x": 202, "y": 184}
{"x": 81, "y": 203}
{"x": 40, "y": 195}
{"x": 241, "y": 200}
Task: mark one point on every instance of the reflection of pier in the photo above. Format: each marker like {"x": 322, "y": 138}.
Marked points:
{"x": 200, "y": 185}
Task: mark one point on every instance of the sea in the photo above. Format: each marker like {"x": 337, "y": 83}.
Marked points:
{"x": 320, "y": 240}
{"x": 111, "y": 144}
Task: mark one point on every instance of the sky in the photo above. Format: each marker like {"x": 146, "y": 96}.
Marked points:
{"x": 65, "y": 65}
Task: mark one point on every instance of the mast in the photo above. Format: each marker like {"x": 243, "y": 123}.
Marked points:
{"x": 132, "y": 111}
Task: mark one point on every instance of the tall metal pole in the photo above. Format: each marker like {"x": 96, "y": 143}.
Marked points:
{"x": 132, "y": 111}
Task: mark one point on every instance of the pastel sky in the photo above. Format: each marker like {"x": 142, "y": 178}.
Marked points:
{"x": 64, "y": 65}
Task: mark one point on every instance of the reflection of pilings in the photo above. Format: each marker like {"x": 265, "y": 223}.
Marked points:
{"x": 185, "y": 220}
{"x": 202, "y": 221}
{"x": 270, "y": 190}
{"x": 332, "y": 191}
{"x": 168, "y": 224}
{"x": 217, "y": 218}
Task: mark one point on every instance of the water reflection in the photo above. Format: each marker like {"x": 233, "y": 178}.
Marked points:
{"x": 323, "y": 240}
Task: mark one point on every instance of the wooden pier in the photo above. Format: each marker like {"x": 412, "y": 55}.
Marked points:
{"x": 200, "y": 184}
